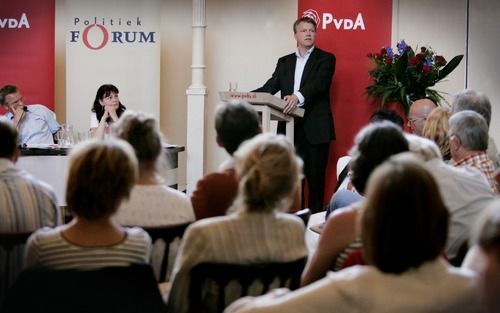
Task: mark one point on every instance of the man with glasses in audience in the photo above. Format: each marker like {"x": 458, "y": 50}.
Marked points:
{"x": 36, "y": 124}
{"x": 419, "y": 110}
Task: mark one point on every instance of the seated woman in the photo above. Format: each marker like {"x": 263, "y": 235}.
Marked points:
{"x": 404, "y": 224}
{"x": 151, "y": 202}
{"x": 258, "y": 230}
{"x": 100, "y": 177}
{"x": 106, "y": 110}
{"x": 372, "y": 146}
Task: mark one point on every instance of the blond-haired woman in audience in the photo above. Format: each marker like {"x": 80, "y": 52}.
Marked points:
{"x": 100, "y": 177}
{"x": 151, "y": 201}
{"x": 258, "y": 230}
{"x": 436, "y": 129}
{"x": 404, "y": 225}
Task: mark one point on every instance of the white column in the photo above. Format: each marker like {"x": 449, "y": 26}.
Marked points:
{"x": 196, "y": 98}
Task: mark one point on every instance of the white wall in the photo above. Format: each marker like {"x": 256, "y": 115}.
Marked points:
{"x": 484, "y": 67}
{"x": 443, "y": 25}
{"x": 438, "y": 24}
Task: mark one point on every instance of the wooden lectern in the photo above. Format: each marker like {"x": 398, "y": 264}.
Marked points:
{"x": 269, "y": 107}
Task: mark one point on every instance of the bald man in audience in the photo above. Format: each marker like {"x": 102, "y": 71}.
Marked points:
{"x": 468, "y": 135}
{"x": 478, "y": 102}
{"x": 419, "y": 110}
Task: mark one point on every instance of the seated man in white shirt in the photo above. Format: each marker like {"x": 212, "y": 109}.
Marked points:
{"x": 36, "y": 124}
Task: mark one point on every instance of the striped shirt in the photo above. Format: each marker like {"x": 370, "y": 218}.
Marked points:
{"x": 239, "y": 238}
{"x": 49, "y": 248}
{"x": 26, "y": 203}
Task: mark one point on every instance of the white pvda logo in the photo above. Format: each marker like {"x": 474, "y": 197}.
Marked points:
{"x": 328, "y": 18}
{"x": 15, "y": 23}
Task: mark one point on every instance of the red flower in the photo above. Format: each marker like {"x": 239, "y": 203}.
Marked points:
{"x": 426, "y": 69}
{"x": 414, "y": 60}
{"x": 383, "y": 51}
{"x": 423, "y": 49}
{"x": 440, "y": 60}
{"x": 421, "y": 56}
{"x": 388, "y": 60}
{"x": 370, "y": 55}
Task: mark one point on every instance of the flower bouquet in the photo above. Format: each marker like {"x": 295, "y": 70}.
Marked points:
{"x": 405, "y": 76}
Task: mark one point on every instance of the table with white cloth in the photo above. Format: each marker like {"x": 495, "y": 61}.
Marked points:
{"x": 51, "y": 165}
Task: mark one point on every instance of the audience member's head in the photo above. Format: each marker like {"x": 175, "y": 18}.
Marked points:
{"x": 235, "y": 122}
{"x": 436, "y": 128}
{"x": 487, "y": 236}
{"x": 423, "y": 148}
{"x": 387, "y": 115}
{"x": 269, "y": 173}
{"x": 100, "y": 177}
{"x": 103, "y": 92}
{"x": 404, "y": 222}
{"x": 8, "y": 147}
{"x": 472, "y": 100}
{"x": 468, "y": 134}
{"x": 419, "y": 110}
{"x": 372, "y": 146}
{"x": 142, "y": 132}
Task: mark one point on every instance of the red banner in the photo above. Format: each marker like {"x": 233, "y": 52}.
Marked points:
{"x": 350, "y": 30}
{"x": 27, "y": 53}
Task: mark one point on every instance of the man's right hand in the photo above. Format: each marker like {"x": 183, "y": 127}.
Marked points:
{"x": 18, "y": 112}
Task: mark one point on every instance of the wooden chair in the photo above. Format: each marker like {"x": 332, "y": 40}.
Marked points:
{"x": 304, "y": 214}
{"x": 209, "y": 281}
{"x": 9, "y": 241}
{"x": 168, "y": 234}
{"x": 111, "y": 289}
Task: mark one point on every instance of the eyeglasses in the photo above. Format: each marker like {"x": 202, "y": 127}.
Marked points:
{"x": 413, "y": 120}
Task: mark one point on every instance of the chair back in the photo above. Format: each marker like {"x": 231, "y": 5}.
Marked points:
{"x": 209, "y": 282}
{"x": 168, "y": 234}
{"x": 112, "y": 289}
{"x": 8, "y": 243}
{"x": 304, "y": 214}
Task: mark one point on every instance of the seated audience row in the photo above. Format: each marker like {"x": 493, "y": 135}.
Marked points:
{"x": 404, "y": 226}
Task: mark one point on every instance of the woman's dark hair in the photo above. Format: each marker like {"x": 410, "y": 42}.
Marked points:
{"x": 102, "y": 92}
{"x": 374, "y": 144}
{"x": 404, "y": 222}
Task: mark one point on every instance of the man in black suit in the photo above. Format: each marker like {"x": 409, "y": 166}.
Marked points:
{"x": 304, "y": 79}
